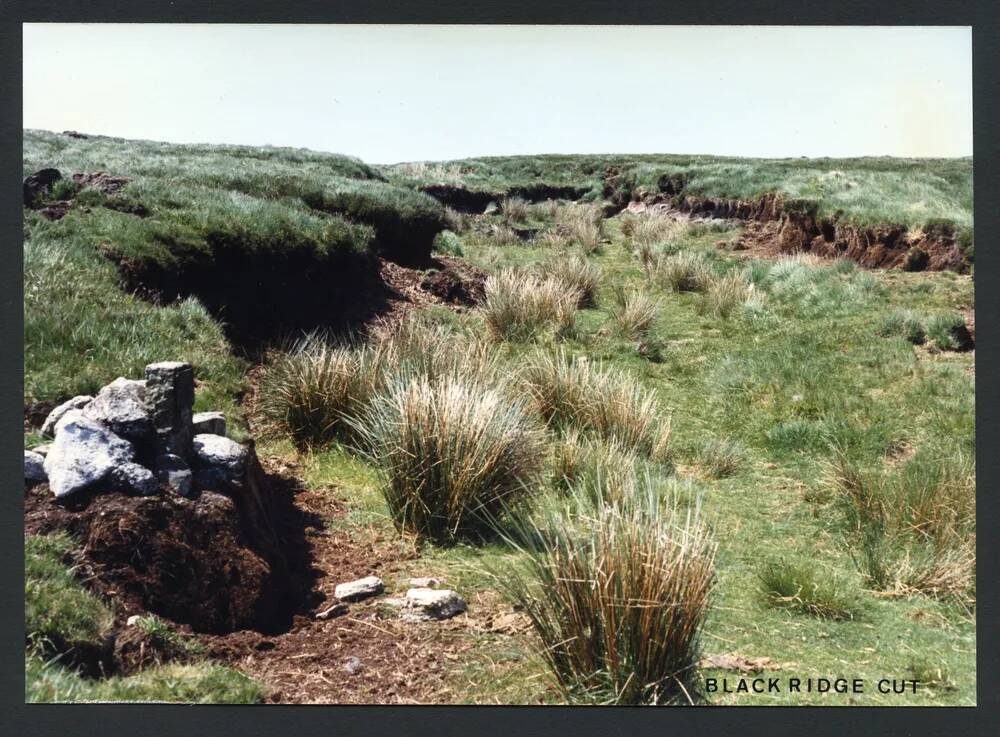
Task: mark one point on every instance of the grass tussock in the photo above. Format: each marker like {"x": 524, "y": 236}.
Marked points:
{"x": 616, "y": 594}
{"x": 725, "y": 295}
{"x": 581, "y": 225}
{"x": 912, "y": 529}
{"x": 520, "y": 306}
{"x": 722, "y": 457}
{"x": 802, "y": 588}
{"x": 577, "y": 272}
{"x": 634, "y": 313}
{"x": 514, "y": 209}
{"x": 687, "y": 271}
{"x": 574, "y": 393}
{"x": 453, "y": 453}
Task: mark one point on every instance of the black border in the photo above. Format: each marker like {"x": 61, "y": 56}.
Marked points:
{"x": 19, "y": 718}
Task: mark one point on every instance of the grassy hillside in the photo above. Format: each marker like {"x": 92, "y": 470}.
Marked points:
{"x": 188, "y": 215}
{"x": 869, "y": 191}
{"x": 791, "y": 440}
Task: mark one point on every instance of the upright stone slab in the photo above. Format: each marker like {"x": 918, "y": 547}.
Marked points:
{"x": 170, "y": 394}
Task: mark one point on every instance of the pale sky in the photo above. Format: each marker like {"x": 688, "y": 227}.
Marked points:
{"x": 407, "y": 93}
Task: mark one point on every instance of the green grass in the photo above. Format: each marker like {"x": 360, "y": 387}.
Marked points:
{"x": 60, "y": 614}
{"x": 869, "y": 191}
{"x": 801, "y": 587}
{"x": 202, "y": 683}
{"x": 765, "y": 389}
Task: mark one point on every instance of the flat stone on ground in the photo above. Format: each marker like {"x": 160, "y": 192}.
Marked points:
{"x": 360, "y": 589}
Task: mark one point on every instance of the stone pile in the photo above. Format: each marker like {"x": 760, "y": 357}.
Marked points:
{"x": 138, "y": 436}
{"x": 423, "y": 602}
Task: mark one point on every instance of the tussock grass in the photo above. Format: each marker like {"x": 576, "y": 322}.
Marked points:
{"x": 944, "y": 331}
{"x": 802, "y": 588}
{"x": 309, "y": 392}
{"x": 613, "y": 405}
{"x": 514, "y": 209}
{"x": 912, "y": 528}
{"x": 906, "y": 324}
{"x": 648, "y": 229}
{"x": 578, "y": 273}
{"x": 722, "y": 457}
{"x": 687, "y": 271}
{"x": 581, "y": 225}
{"x": 453, "y": 453}
{"x": 616, "y": 593}
{"x": 520, "y": 306}
{"x": 634, "y": 312}
{"x": 727, "y": 294}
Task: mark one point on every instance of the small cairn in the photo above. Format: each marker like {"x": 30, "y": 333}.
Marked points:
{"x": 138, "y": 436}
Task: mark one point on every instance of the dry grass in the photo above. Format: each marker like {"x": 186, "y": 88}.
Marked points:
{"x": 514, "y": 209}
{"x": 617, "y": 594}
{"x": 582, "y": 225}
{"x": 308, "y": 392}
{"x": 520, "y": 306}
{"x": 687, "y": 271}
{"x": 611, "y": 404}
{"x": 726, "y": 294}
{"x": 577, "y": 272}
{"x": 634, "y": 312}
{"x": 454, "y": 453}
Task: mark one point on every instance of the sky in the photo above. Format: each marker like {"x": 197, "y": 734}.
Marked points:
{"x": 412, "y": 93}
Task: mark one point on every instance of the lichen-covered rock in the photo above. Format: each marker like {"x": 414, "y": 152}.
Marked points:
{"x": 84, "y": 454}
{"x": 210, "y": 423}
{"x": 78, "y": 402}
{"x": 175, "y": 474}
{"x": 134, "y": 479}
{"x": 360, "y": 589}
{"x": 122, "y": 407}
{"x": 34, "y": 468}
{"x": 422, "y": 605}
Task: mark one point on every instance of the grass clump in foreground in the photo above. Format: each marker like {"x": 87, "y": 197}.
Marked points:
{"x": 520, "y": 306}
{"x": 60, "y": 615}
{"x": 453, "y": 452}
{"x": 616, "y": 594}
{"x": 573, "y": 393}
{"x": 801, "y": 588}
{"x": 202, "y": 683}
{"x": 912, "y": 529}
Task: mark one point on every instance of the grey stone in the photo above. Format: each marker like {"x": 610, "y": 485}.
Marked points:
{"x": 216, "y": 451}
{"x": 491, "y": 208}
{"x": 424, "y": 583}
{"x": 83, "y": 454}
{"x": 170, "y": 393}
{"x": 213, "y": 479}
{"x": 77, "y": 402}
{"x": 360, "y": 589}
{"x": 422, "y": 604}
{"x": 211, "y": 423}
{"x": 174, "y": 473}
{"x": 135, "y": 479}
{"x": 34, "y": 468}
{"x": 133, "y": 620}
{"x": 353, "y": 665}
{"x": 121, "y": 407}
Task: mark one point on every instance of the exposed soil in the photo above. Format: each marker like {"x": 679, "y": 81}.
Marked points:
{"x": 473, "y": 201}
{"x": 775, "y": 226}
